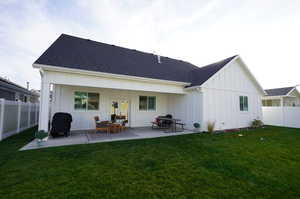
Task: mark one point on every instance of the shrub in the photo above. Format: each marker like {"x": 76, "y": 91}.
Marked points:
{"x": 41, "y": 134}
{"x": 210, "y": 127}
{"x": 196, "y": 125}
{"x": 256, "y": 123}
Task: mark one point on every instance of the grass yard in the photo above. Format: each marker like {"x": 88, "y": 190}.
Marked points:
{"x": 190, "y": 166}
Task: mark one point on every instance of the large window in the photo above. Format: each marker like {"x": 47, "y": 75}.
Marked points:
{"x": 147, "y": 103}
{"x": 86, "y": 101}
{"x": 243, "y": 103}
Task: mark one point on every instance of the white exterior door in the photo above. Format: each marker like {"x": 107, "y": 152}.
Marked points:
{"x": 121, "y": 107}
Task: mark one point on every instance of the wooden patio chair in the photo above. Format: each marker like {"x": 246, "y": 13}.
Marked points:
{"x": 102, "y": 126}
{"x": 123, "y": 125}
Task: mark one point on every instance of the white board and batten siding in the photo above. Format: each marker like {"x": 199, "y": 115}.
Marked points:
{"x": 217, "y": 100}
{"x": 88, "y": 80}
{"x": 221, "y": 98}
{"x": 63, "y": 101}
{"x": 187, "y": 108}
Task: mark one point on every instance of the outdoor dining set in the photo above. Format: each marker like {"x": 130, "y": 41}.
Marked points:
{"x": 168, "y": 123}
{"x": 61, "y": 124}
{"x": 116, "y": 125}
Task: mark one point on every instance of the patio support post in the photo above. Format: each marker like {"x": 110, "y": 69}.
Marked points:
{"x": 2, "y": 104}
{"x": 44, "y": 105}
{"x": 19, "y": 116}
{"x": 28, "y": 104}
{"x": 282, "y": 111}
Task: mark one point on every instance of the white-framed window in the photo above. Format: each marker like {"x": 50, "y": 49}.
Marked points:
{"x": 243, "y": 103}
{"x": 86, "y": 101}
{"x": 147, "y": 103}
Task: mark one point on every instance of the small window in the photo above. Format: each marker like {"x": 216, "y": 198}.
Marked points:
{"x": 143, "y": 103}
{"x": 151, "y": 103}
{"x": 86, "y": 101}
{"x": 93, "y": 101}
{"x": 147, "y": 103}
{"x": 243, "y": 103}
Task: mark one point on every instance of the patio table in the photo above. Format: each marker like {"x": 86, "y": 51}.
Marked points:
{"x": 115, "y": 127}
{"x": 174, "y": 121}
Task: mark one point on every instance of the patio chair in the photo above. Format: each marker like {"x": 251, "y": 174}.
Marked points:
{"x": 113, "y": 118}
{"x": 102, "y": 126}
{"x": 157, "y": 123}
{"x": 123, "y": 125}
{"x": 168, "y": 123}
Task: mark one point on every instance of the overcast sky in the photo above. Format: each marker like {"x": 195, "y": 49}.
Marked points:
{"x": 265, "y": 33}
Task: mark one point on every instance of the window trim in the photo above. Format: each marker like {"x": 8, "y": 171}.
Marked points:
{"x": 147, "y": 103}
{"x": 242, "y": 105}
{"x": 86, "y": 108}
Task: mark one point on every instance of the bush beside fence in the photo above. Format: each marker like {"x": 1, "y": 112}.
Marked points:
{"x": 16, "y": 116}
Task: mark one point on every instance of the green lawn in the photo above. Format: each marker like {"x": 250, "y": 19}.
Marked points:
{"x": 189, "y": 166}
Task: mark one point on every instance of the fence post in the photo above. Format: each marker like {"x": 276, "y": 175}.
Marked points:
{"x": 2, "y": 103}
{"x": 19, "y": 117}
{"x": 35, "y": 112}
{"x": 29, "y": 109}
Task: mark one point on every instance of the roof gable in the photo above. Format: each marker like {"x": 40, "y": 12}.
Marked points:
{"x": 279, "y": 91}
{"x": 201, "y": 75}
{"x": 231, "y": 75}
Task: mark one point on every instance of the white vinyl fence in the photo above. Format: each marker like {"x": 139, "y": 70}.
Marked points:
{"x": 16, "y": 116}
{"x": 282, "y": 116}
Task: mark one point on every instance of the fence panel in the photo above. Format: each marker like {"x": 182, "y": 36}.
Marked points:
{"x": 292, "y": 116}
{"x": 282, "y": 116}
{"x": 32, "y": 114}
{"x": 10, "y": 119}
{"x": 24, "y": 116}
{"x": 16, "y": 116}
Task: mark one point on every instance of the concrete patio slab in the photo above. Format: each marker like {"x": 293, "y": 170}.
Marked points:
{"x": 91, "y": 136}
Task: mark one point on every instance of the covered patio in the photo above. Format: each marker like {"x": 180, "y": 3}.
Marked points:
{"x": 91, "y": 136}
{"x": 86, "y": 95}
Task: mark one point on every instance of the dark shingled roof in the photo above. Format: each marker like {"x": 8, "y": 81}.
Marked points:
{"x": 77, "y": 53}
{"x": 278, "y": 91}
{"x": 13, "y": 87}
{"x": 200, "y": 75}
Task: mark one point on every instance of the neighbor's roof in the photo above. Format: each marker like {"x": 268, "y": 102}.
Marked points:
{"x": 84, "y": 54}
{"x": 6, "y": 84}
{"x": 279, "y": 91}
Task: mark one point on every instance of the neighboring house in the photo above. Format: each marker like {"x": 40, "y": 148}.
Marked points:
{"x": 281, "y": 107}
{"x": 90, "y": 78}
{"x": 14, "y": 92}
{"x": 287, "y": 96}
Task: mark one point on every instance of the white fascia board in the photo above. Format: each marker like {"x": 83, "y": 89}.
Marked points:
{"x": 111, "y": 75}
{"x": 247, "y": 69}
{"x": 291, "y": 91}
{"x": 274, "y": 97}
{"x": 198, "y": 88}
{"x": 204, "y": 83}
{"x": 252, "y": 76}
